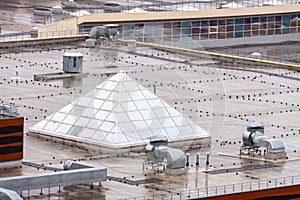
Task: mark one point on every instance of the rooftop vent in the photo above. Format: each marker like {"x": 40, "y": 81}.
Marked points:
{"x": 72, "y": 62}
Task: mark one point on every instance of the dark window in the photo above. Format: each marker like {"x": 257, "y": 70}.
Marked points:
{"x": 255, "y": 19}
{"x": 213, "y": 23}
{"x": 230, "y": 21}
{"x": 263, "y": 19}
{"x": 221, "y": 22}
{"x": 247, "y": 20}
{"x": 270, "y": 18}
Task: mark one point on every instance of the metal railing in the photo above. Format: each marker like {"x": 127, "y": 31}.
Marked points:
{"x": 23, "y": 36}
{"x": 73, "y": 173}
{"x": 182, "y": 6}
{"x": 52, "y": 34}
{"x": 15, "y": 36}
{"x": 225, "y": 189}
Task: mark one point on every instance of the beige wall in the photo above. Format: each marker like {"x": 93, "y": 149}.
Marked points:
{"x": 63, "y": 28}
{"x": 70, "y": 26}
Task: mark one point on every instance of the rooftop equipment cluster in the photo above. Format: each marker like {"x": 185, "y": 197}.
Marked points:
{"x": 255, "y": 141}
{"x": 108, "y": 34}
{"x": 158, "y": 154}
{"x": 6, "y": 109}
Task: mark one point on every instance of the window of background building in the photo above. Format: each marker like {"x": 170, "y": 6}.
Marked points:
{"x": 186, "y": 30}
{"x": 195, "y": 30}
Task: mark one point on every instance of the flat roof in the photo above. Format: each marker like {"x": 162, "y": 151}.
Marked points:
{"x": 105, "y": 18}
{"x": 221, "y": 100}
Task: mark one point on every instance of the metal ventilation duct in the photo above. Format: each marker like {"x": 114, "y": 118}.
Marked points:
{"x": 157, "y": 151}
{"x": 109, "y": 31}
{"x": 254, "y": 139}
{"x": 274, "y": 146}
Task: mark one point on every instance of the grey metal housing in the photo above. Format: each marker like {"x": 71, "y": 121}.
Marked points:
{"x": 72, "y": 62}
{"x": 157, "y": 151}
{"x": 254, "y": 138}
{"x": 77, "y": 173}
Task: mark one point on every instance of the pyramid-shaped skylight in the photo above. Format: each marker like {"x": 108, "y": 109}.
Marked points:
{"x": 119, "y": 112}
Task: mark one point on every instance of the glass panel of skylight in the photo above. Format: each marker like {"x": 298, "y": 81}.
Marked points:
{"x": 87, "y": 133}
{"x": 118, "y": 108}
{"x": 172, "y": 131}
{"x": 120, "y": 138}
{"x": 96, "y": 103}
{"x": 155, "y": 103}
{"x": 161, "y": 132}
{"x": 184, "y": 122}
{"x": 123, "y": 96}
{"x": 101, "y": 114}
{"x": 99, "y": 135}
{"x": 126, "y": 127}
{"x": 121, "y": 117}
{"x": 145, "y": 133}
{"x": 107, "y": 105}
{"x": 63, "y": 128}
{"x": 51, "y": 126}
{"x": 103, "y": 94}
{"x": 142, "y": 105}
{"x": 110, "y": 138}
{"x": 114, "y": 97}
{"x": 178, "y": 120}
{"x": 137, "y": 95}
{"x": 58, "y": 117}
{"x": 91, "y": 94}
{"x": 110, "y": 85}
{"x": 106, "y": 126}
{"x": 148, "y": 95}
{"x": 140, "y": 125}
{"x": 160, "y": 112}
{"x": 173, "y": 112}
{"x": 186, "y": 130}
{"x": 167, "y": 122}
{"x": 135, "y": 115}
{"x": 89, "y": 112}
{"x": 70, "y": 119}
{"x": 148, "y": 122}
{"x": 130, "y": 86}
{"x": 129, "y": 106}
{"x": 94, "y": 123}
{"x": 66, "y": 109}
{"x": 155, "y": 124}
{"x": 75, "y": 130}
{"x": 156, "y": 131}
{"x": 83, "y": 101}
{"x": 146, "y": 114}
{"x": 41, "y": 124}
{"x": 77, "y": 110}
{"x": 132, "y": 137}
{"x": 82, "y": 121}
{"x": 111, "y": 117}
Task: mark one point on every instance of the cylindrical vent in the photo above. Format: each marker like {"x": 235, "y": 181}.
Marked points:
{"x": 67, "y": 164}
{"x": 246, "y": 138}
{"x": 187, "y": 159}
{"x": 207, "y": 158}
